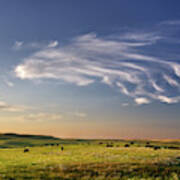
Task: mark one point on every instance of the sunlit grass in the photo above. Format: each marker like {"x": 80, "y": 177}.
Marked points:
{"x": 89, "y": 161}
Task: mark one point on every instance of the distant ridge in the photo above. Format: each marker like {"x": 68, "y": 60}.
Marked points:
{"x": 12, "y": 140}
{"x": 29, "y": 136}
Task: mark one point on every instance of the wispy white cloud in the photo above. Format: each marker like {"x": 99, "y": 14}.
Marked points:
{"x": 122, "y": 61}
{"x": 170, "y": 22}
{"x": 141, "y": 100}
{"x": 168, "y": 100}
{"x": 80, "y": 114}
{"x": 53, "y": 44}
{"x": 123, "y": 88}
{"x": 176, "y": 68}
{"x": 9, "y": 83}
{"x": 146, "y": 37}
{"x": 171, "y": 81}
{"x": 40, "y": 117}
{"x": 156, "y": 86}
{"x": 125, "y": 104}
{"x": 18, "y": 45}
{"x": 10, "y": 108}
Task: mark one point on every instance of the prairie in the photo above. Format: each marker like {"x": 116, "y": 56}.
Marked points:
{"x": 87, "y": 159}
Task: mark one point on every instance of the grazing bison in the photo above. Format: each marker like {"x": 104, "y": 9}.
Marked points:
{"x": 26, "y": 150}
{"x": 126, "y": 145}
{"x": 109, "y": 145}
{"x": 62, "y": 148}
{"x": 173, "y": 147}
{"x": 11, "y": 178}
{"x": 157, "y": 147}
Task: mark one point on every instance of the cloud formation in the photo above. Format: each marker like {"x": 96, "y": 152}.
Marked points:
{"x": 80, "y": 114}
{"x": 17, "y": 45}
{"x": 141, "y": 100}
{"x": 133, "y": 62}
{"x": 8, "y": 83}
{"x": 10, "y": 108}
{"x": 20, "y": 45}
{"x": 53, "y": 44}
{"x": 40, "y": 117}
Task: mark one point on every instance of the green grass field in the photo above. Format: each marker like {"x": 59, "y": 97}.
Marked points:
{"x": 87, "y": 159}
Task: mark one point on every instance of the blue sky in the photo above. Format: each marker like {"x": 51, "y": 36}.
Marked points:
{"x": 90, "y": 69}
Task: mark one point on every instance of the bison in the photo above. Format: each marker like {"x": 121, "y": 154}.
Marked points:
{"x": 26, "y": 150}
{"x": 109, "y": 145}
{"x": 157, "y": 147}
{"x": 126, "y": 145}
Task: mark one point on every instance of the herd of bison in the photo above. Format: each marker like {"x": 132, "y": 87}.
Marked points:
{"x": 147, "y": 145}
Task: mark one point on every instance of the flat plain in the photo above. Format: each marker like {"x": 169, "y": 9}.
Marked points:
{"x": 46, "y": 157}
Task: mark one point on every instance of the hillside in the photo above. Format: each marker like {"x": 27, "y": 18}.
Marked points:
{"x": 13, "y": 140}
{"x": 10, "y": 140}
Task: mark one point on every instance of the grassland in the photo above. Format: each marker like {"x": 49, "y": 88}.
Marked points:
{"x": 87, "y": 159}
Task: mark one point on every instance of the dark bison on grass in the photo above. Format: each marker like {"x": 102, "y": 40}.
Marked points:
{"x": 109, "y": 145}
{"x": 157, "y": 147}
{"x": 173, "y": 147}
{"x": 26, "y": 150}
{"x": 126, "y": 145}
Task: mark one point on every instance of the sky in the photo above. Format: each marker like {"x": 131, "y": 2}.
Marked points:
{"x": 90, "y": 69}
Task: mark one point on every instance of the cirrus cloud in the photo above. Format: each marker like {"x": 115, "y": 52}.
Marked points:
{"x": 124, "y": 61}
{"x": 41, "y": 117}
{"x": 10, "y": 108}
{"x": 141, "y": 100}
